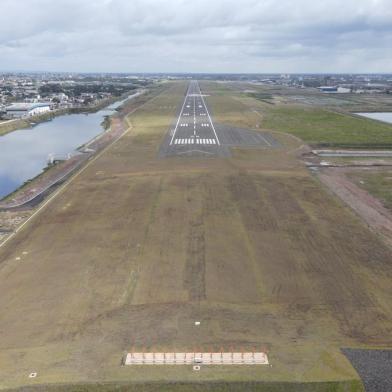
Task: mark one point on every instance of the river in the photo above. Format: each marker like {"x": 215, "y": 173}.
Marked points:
{"x": 382, "y": 116}
{"x": 24, "y": 153}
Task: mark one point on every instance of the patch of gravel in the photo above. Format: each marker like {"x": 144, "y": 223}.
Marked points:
{"x": 370, "y": 209}
{"x": 374, "y": 368}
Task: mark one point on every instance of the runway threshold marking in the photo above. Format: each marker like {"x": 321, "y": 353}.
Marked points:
{"x": 192, "y": 141}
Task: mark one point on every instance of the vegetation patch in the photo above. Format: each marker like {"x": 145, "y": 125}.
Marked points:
{"x": 326, "y": 128}
{"x": 377, "y": 183}
{"x": 347, "y": 386}
{"x": 249, "y": 245}
{"x": 265, "y": 97}
{"x": 10, "y": 126}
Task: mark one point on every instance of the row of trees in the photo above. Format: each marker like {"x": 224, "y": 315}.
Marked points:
{"x": 77, "y": 90}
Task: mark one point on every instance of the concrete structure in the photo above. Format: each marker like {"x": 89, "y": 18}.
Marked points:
{"x": 249, "y": 358}
{"x": 19, "y": 110}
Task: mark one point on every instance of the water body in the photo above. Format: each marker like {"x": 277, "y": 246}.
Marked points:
{"x": 24, "y": 153}
{"x": 382, "y": 116}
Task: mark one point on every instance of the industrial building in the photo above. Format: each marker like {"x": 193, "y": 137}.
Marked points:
{"x": 328, "y": 89}
{"x": 19, "y": 110}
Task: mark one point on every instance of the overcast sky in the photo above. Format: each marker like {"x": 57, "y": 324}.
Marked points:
{"x": 196, "y": 36}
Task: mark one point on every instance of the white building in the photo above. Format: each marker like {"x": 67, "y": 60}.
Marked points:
{"x": 61, "y": 97}
{"x": 19, "y": 110}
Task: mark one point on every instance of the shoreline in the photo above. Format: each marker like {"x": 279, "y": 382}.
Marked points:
{"x": 9, "y": 126}
{"x": 52, "y": 175}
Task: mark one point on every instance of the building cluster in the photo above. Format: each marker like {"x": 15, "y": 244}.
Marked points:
{"x": 359, "y": 84}
{"x": 25, "y": 95}
{"x": 325, "y": 83}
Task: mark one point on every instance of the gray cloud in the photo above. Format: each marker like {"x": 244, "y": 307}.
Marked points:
{"x": 196, "y": 36}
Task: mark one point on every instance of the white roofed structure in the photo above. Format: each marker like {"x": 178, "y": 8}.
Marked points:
{"x": 19, "y": 110}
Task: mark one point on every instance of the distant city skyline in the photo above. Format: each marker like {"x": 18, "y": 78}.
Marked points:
{"x": 175, "y": 36}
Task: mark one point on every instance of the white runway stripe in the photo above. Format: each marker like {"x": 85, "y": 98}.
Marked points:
{"x": 192, "y": 141}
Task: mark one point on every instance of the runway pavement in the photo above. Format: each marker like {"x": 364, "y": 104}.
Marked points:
{"x": 194, "y": 132}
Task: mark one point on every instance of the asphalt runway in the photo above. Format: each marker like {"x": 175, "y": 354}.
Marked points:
{"x": 234, "y": 137}
{"x": 194, "y": 133}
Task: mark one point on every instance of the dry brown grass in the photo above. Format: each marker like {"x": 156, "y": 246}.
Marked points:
{"x": 137, "y": 248}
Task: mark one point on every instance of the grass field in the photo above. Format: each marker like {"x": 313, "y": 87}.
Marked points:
{"x": 6, "y": 127}
{"x": 314, "y": 125}
{"x": 378, "y": 183}
{"x": 206, "y": 386}
{"x": 136, "y": 249}
{"x": 327, "y": 128}
{"x": 351, "y": 103}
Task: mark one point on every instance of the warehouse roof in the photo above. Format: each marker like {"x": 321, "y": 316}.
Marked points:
{"x": 26, "y": 106}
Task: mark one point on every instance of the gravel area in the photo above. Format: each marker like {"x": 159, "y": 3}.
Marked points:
{"x": 374, "y": 368}
{"x": 370, "y": 209}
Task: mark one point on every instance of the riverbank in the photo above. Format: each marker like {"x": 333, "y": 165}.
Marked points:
{"x": 32, "y": 189}
{"x": 16, "y": 210}
{"x": 60, "y": 172}
{"x": 13, "y": 125}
